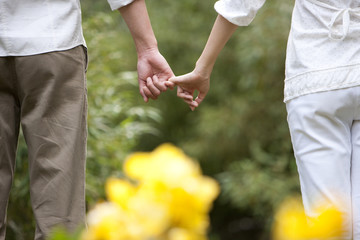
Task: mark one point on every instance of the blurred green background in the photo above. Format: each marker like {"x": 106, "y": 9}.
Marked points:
{"x": 239, "y": 134}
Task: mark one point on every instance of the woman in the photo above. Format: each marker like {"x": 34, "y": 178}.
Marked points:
{"x": 322, "y": 95}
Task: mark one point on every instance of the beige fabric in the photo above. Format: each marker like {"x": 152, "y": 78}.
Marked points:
{"x": 46, "y": 94}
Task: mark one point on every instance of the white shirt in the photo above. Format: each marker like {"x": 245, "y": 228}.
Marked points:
{"x": 323, "y": 51}
{"x": 29, "y": 27}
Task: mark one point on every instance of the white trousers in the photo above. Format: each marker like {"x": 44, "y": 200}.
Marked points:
{"x": 325, "y": 132}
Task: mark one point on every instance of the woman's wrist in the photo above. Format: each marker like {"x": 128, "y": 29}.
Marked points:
{"x": 203, "y": 69}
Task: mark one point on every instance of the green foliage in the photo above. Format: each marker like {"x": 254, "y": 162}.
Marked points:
{"x": 20, "y": 224}
{"x": 62, "y": 234}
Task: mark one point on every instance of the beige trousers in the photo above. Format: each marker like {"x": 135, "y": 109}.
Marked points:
{"x": 46, "y": 94}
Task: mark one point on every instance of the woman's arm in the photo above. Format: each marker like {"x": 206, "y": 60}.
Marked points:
{"x": 220, "y": 34}
{"x": 199, "y": 78}
{"x": 232, "y": 13}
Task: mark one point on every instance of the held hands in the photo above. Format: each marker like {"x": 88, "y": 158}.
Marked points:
{"x": 199, "y": 79}
{"x": 153, "y": 70}
{"x": 186, "y": 86}
{"x": 155, "y": 76}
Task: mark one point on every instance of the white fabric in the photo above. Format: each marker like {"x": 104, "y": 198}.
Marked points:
{"x": 325, "y": 132}
{"x": 29, "y": 27}
{"x": 323, "y": 50}
{"x": 116, "y": 4}
{"x": 240, "y": 12}
{"x": 341, "y": 13}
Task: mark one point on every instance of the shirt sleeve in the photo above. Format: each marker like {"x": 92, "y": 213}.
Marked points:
{"x": 239, "y": 12}
{"x": 116, "y": 4}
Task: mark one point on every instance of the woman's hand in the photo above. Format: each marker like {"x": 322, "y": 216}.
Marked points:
{"x": 188, "y": 83}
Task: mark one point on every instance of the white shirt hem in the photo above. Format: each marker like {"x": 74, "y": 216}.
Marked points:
{"x": 321, "y": 81}
{"x": 30, "y": 53}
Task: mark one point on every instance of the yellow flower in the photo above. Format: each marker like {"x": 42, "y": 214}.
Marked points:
{"x": 328, "y": 224}
{"x": 119, "y": 191}
{"x": 153, "y": 217}
{"x": 203, "y": 189}
{"x": 137, "y": 204}
{"x": 166, "y": 164}
{"x": 291, "y": 223}
{"x": 170, "y": 200}
{"x": 106, "y": 222}
{"x": 184, "y": 234}
{"x": 137, "y": 166}
{"x": 168, "y": 177}
{"x": 187, "y": 211}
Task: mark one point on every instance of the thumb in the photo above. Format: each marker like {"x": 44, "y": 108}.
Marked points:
{"x": 179, "y": 80}
{"x": 174, "y": 80}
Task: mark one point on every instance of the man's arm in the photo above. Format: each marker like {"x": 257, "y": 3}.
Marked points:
{"x": 153, "y": 69}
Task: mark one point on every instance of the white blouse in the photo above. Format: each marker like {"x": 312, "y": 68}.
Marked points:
{"x": 29, "y": 27}
{"x": 323, "y": 51}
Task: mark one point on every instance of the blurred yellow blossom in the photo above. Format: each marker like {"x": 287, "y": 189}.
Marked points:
{"x": 328, "y": 224}
{"x": 119, "y": 191}
{"x": 165, "y": 198}
{"x": 291, "y": 223}
{"x": 167, "y": 164}
{"x": 106, "y": 222}
{"x": 184, "y": 234}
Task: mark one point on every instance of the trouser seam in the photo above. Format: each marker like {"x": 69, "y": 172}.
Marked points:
{"x": 14, "y": 80}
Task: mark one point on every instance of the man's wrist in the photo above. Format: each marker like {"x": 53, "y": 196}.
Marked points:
{"x": 136, "y": 17}
{"x": 144, "y": 51}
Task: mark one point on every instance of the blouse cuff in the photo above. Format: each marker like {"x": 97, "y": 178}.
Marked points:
{"x": 239, "y": 12}
{"x": 116, "y": 4}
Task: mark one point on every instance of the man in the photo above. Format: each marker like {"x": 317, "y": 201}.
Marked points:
{"x": 42, "y": 87}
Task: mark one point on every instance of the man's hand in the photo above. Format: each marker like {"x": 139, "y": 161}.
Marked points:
{"x": 153, "y": 70}
{"x": 188, "y": 83}
{"x": 153, "y": 73}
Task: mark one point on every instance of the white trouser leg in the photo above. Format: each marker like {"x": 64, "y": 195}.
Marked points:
{"x": 355, "y": 178}
{"x": 321, "y": 132}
